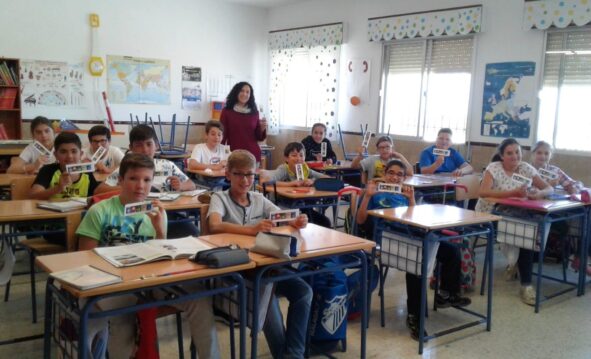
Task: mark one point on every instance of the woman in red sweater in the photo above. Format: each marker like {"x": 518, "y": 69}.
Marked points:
{"x": 240, "y": 117}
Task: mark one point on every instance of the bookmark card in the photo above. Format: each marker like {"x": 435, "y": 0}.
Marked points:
{"x": 138, "y": 207}
{"x": 284, "y": 216}
{"x": 80, "y": 167}
{"x": 41, "y": 149}
{"x": 389, "y": 187}
{"x": 98, "y": 154}
{"x": 366, "y": 139}
{"x": 521, "y": 180}
{"x": 299, "y": 172}
{"x": 440, "y": 152}
{"x": 547, "y": 175}
{"x": 323, "y": 149}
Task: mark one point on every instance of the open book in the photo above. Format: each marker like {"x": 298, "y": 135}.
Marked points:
{"x": 64, "y": 206}
{"x": 152, "y": 250}
{"x": 86, "y": 277}
{"x": 164, "y": 196}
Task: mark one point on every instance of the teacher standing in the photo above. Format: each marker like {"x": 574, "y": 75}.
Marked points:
{"x": 240, "y": 117}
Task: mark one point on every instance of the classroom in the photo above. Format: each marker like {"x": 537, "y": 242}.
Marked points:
{"x": 447, "y": 129}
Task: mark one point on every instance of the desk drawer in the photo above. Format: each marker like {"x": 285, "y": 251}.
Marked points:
{"x": 520, "y": 233}
{"x": 405, "y": 254}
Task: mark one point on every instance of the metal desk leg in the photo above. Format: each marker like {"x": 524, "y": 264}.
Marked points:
{"x": 540, "y": 262}
{"x": 364, "y": 303}
{"x": 48, "y": 322}
{"x": 423, "y": 306}
{"x": 489, "y": 254}
{"x": 255, "y": 313}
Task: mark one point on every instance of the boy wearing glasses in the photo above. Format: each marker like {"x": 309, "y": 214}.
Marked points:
{"x": 240, "y": 211}
{"x": 100, "y": 136}
{"x": 454, "y": 163}
{"x": 447, "y": 255}
{"x": 373, "y": 166}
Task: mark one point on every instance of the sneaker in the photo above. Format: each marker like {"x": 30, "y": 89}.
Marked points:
{"x": 528, "y": 294}
{"x": 511, "y": 273}
{"x": 451, "y": 301}
{"x": 412, "y": 323}
{"x": 204, "y": 197}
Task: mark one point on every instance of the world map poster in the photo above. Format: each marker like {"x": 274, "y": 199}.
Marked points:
{"x": 135, "y": 80}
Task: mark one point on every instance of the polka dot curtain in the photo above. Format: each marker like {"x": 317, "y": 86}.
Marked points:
{"x": 559, "y": 13}
{"x": 323, "y": 44}
{"x": 459, "y": 21}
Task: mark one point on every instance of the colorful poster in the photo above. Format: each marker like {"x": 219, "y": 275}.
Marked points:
{"x": 52, "y": 84}
{"x": 509, "y": 95}
{"x": 191, "y": 88}
{"x": 132, "y": 80}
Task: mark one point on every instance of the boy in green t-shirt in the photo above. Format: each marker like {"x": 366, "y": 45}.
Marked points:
{"x": 105, "y": 224}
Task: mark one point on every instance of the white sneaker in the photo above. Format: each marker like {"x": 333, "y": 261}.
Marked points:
{"x": 528, "y": 294}
{"x": 511, "y": 273}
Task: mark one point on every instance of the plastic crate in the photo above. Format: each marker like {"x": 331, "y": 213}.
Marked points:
{"x": 520, "y": 233}
{"x": 405, "y": 254}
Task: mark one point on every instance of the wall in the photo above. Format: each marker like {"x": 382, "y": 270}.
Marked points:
{"x": 223, "y": 39}
{"x": 502, "y": 39}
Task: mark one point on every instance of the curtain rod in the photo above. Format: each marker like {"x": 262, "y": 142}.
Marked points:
{"x": 305, "y": 27}
{"x": 424, "y": 12}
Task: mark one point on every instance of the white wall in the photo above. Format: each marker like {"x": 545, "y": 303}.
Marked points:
{"x": 501, "y": 40}
{"x": 223, "y": 39}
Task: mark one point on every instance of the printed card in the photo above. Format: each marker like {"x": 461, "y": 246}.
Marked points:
{"x": 41, "y": 149}
{"x": 80, "y": 167}
{"x": 284, "y": 216}
{"x": 138, "y": 207}
{"x": 441, "y": 152}
{"x": 323, "y": 149}
{"x": 522, "y": 179}
{"x": 366, "y": 139}
{"x": 98, "y": 154}
{"x": 548, "y": 175}
{"x": 299, "y": 172}
{"x": 389, "y": 187}
{"x": 214, "y": 160}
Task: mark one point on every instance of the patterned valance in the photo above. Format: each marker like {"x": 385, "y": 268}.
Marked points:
{"x": 542, "y": 14}
{"x": 321, "y": 35}
{"x": 450, "y": 22}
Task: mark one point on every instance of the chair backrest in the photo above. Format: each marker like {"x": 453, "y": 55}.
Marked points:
{"x": 417, "y": 168}
{"x": 472, "y": 184}
{"x": 21, "y": 188}
{"x": 353, "y": 205}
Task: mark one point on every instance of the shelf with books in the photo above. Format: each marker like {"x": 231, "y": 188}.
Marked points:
{"x": 10, "y": 101}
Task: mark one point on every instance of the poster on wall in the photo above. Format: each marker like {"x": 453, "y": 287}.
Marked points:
{"x": 509, "y": 95}
{"x": 52, "y": 84}
{"x": 135, "y": 80}
{"x": 191, "y": 88}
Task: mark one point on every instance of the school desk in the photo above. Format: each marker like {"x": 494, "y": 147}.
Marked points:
{"x": 317, "y": 243}
{"x": 192, "y": 207}
{"x": 300, "y": 197}
{"x": 405, "y": 236}
{"x": 165, "y": 275}
{"x": 5, "y": 182}
{"x": 549, "y": 212}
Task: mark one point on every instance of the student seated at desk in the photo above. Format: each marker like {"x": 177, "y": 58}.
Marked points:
{"x": 497, "y": 182}
{"x": 454, "y": 163}
{"x": 373, "y": 166}
{"x": 241, "y": 211}
{"x": 448, "y": 255}
{"x": 312, "y": 144}
{"x": 285, "y": 176}
{"x": 100, "y": 136}
{"x": 105, "y": 224}
{"x": 167, "y": 176}
{"x": 211, "y": 154}
{"x": 31, "y": 160}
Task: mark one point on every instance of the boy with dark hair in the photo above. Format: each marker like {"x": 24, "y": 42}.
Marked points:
{"x": 100, "y": 136}
{"x": 31, "y": 160}
{"x": 454, "y": 163}
{"x": 106, "y": 224}
{"x": 211, "y": 155}
{"x": 240, "y": 211}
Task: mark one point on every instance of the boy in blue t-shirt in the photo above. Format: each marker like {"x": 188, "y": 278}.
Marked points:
{"x": 454, "y": 163}
{"x": 448, "y": 255}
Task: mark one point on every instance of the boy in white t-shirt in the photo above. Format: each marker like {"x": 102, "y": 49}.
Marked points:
{"x": 211, "y": 155}
{"x": 31, "y": 159}
{"x": 100, "y": 136}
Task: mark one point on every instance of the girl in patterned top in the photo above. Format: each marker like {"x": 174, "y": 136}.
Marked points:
{"x": 541, "y": 155}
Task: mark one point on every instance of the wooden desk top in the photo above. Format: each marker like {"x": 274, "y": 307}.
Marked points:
{"x": 131, "y": 275}
{"x": 11, "y": 151}
{"x": 299, "y": 192}
{"x": 26, "y": 209}
{"x": 6, "y": 178}
{"x": 423, "y": 181}
{"x": 204, "y": 173}
{"x": 173, "y": 157}
{"x": 183, "y": 202}
{"x": 541, "y": 205}
{"x": 433, "y": 216}
{"x": 315, "y": 241}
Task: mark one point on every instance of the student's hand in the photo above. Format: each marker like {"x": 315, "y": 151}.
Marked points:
{"x": 217, "y": 166}
{"x": 307, "y": 182}
{"x": 371, "y": 188}
{"x": 263, "y": 226}
{"x": 439, "y": 161}
{"x": 157, "y": 217}
{"x": 175, "y": 183}
{"x": 555, "y": 182}
{"x": 263, "y": 122}
{"x": 329, "y": 162}
{"x": 100, "y": 167}
{"x": 534, "y": 193}
{"x": 570, "y": 188}
{"x": 224, "y": 162}
{"x": 318, "y": 156}
{"x": 41, "y": 161}
{"x": 361, "y": 150}
{"x": 408, "y": 192}
{"x": 520, "y": 192}
{"x": 297, "y": 183}
{"x": 300, "y": 222}
{"x": 457, "y": 173}
{"x": 65, "y": 181}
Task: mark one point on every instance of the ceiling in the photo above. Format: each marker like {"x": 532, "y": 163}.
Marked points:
{"x": 265, "y": 3}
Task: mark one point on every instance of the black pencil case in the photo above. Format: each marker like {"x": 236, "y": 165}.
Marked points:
{"x": 222, "y": 257}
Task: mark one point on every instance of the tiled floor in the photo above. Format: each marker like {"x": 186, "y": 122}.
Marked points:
{"x": 558, "y": 331}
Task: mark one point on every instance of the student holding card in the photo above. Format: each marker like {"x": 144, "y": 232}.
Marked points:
{"x": 241, "y": 211}
{"x": 99, "y": 137}
{"x": 541, "y": 156}
{"x": 503, "y": 179}
{"x": 313, "y": 145}
{"x": 373, "y": 166}
{"x": 442, "y": 158}
{"x": 53, "y": 180}
{"x": 106, "y": 224}
{"x": 36, "y": 154}
{"x": 210, "y": 155}
{"x": 447, "y": 254}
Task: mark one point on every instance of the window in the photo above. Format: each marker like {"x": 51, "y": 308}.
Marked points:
{"x": 563, "y": 118}
{"x": 427, "y": 87}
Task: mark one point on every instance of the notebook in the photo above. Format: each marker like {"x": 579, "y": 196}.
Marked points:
{"x": 65, "y": 206}
{"x": 86, "y": 277}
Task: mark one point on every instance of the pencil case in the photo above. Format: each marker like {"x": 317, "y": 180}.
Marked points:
{"x": 222, "y": 257}
{"x": 277, "y": 245}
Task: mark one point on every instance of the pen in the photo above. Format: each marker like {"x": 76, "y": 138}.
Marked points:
{"x": 148, "y": 276}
